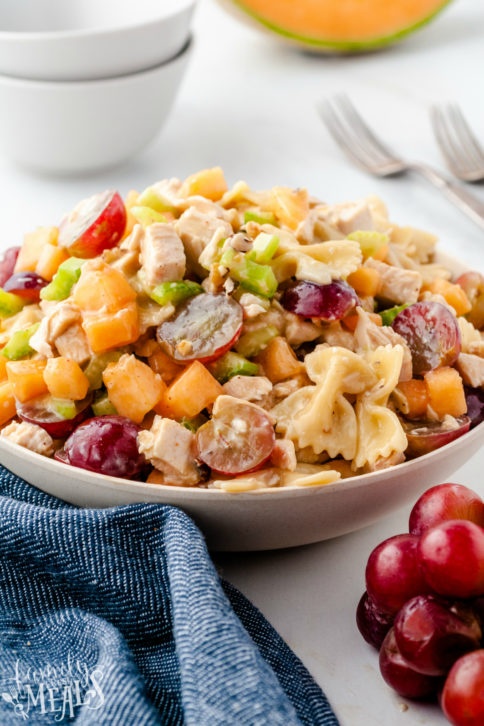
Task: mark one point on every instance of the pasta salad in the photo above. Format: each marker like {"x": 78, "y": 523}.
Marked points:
{"x": 197, "y": 335}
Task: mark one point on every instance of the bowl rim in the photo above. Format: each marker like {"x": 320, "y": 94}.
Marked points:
{"x": 24, "y": 36}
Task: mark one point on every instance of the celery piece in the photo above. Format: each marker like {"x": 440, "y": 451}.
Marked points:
{"x": 260, "y": 216}
{"x": 252, "y": 343}
{"x": 10, "y": 304}
{"x": 95, "y": 368}
{"x": 102, "y": 406}
{"x": 389, "y": 315}
{"x": 66, "y": 276}
{"x": 18, "y": 345}
{"x": 369, "y": 240}
{"x": 264, "y": 246}
{"x": 193, "y": 424}
{"x": 232, "y": 364}
{"x": 64, "y": 407}
{"x": 174, "y": 292}
{"x": 146, "y": 215}
{"x": 251, "y": 275}
{"x": 150, "y": 198}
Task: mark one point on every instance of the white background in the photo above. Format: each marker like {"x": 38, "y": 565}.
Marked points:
{"x": 247, "y": 104}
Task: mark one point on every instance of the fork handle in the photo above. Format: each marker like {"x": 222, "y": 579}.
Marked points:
{"x": 464, "y": 200}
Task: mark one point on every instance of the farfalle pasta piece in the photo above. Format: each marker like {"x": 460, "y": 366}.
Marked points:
{"x": 320, "y": 262}
{"x": 380, "y": 433}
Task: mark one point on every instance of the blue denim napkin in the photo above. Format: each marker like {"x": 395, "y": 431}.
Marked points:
{"x": 118, "y": 617}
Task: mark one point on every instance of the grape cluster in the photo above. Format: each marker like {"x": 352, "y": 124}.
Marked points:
{"x": 423, "y": 607}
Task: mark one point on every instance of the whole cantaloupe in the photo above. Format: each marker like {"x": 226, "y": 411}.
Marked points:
{"x": 339, "y": 25}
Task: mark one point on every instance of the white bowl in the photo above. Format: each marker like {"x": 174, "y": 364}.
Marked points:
{"x": 263, "y": 519}
{"x": 86, "y": 126}
{"x": 87, "y": 39}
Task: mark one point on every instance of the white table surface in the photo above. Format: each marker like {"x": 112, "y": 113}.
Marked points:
{"x": 248, "y": 104}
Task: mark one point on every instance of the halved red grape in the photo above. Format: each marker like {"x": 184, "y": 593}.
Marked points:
{"x": 26, "y": 285}
{"x": 397, "y": 673}
{"x": 372, "y": 622}
{"x": 107, "y": 445}
{"x": 7, "y": 263}
{"x": 239, "y": 438}
{"x": 44, "y": 412}
{"x": 475, "y": 404}
{"x": 426, "y": 437}
{"x": 203, "y": 328}
{"x": 472, "y": 282}
{"x": 432, "y": 633}
{"x": 431, "y": 332}
{"x": 95, "y": 224}
{"x": 326, "y": 302}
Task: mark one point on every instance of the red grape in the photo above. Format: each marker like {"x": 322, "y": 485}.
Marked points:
{"x": 431, "y": 332}
{"x": 239, "y": 438}
{"x": 7, "y": 264}
{"x": 95, "y": 224}
{"x": 397, "y": 673}
{"x": 107, "y": 445}
{"x": 475, "y": 404}
{"x": 393, "y": 573}
{"x": 426, "y": 437}
{"x": 472, "y": 282}
{"x": 443, "y": 502}
{"x": 431, "y": 633}
{"x": 203, "y": 328}
{"x": 25, "y": 284}
{"x": 327, "y": 302}
{"x": 451, "y": 557}
{"x": 372, "y": 623}
{"x": 42, "y": 412}
{"x": 462, "y": 697}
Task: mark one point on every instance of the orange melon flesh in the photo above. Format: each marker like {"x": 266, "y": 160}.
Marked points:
{"x": 342, "y": 24}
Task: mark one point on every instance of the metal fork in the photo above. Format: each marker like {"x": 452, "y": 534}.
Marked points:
{"x": 359, "y": 142}
{"x": 458, "y": 144}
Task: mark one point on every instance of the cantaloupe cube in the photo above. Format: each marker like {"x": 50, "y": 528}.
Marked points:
{"x": 365, "y": 281}
{"x": 105, "y": 331}
{"x": 49, "y": 260}
{"x": 412, "y": 398}
{"x": 208, "y": 183}
{"x": 7, "y": 402}
{"x": 133, "y": 388}
{"x": 279, "y": 360}
{"x": 27, "y": 378}
{"x": 446, "y": 392}
{"x": 32, "y": 246}
{"x": 192, "y": 391}
{"x": 453, "y": 294}
{"x": 3, "y": 368}
{"x": 65, "y": 379}
{"x": 290, "y": 206}
{"x": 102, "y": 288}
{"x": 161, "y": 363}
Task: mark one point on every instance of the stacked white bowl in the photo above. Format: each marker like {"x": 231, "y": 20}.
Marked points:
{"x": 86, "y": 84}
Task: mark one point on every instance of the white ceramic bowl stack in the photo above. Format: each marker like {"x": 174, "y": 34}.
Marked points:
{"x": 85, "y": 85}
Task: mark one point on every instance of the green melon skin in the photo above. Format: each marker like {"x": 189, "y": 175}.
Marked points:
{"x": 321, "y": 45}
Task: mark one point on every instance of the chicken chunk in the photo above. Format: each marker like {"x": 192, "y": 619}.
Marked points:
{"x": 30, "y": 436}
{"x": 250, "y": 388}
{"x": 162, "y": 256}
{"x": 168, "y": 447}
{"x": 397, "y": 284}
{"x": 196, "y": 229}
{"x": 471, "y": 368}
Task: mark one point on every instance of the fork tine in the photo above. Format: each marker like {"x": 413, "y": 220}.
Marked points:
{"x": 458, "y": 144}
{"x": 445, "y": 139}
{"x": 465, "y": 135}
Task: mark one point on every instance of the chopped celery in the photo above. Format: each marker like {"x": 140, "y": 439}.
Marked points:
{"x": 95, "y": 368}
{"x": 64, "y": 407}
{"x": 371, "y": 242}
{"x": 389, "y": 315}
{"x": 66, "y": 276}
{"x": 192, "y": 424}
{"x": 102, "y": 406}
{"x": 174, "y": 292}
{"x": 232, "y": 364}
{"x": 146, "y": 215}
{"x": 253, "y": 276}
{"x": 150, "y": 198}
{"x": 252, "y": 343}
{"x": 260, "y": 216}
{"x": 10, "y": 303}
{"x": 264, "y": 246}
{"x": 18, "y": 345}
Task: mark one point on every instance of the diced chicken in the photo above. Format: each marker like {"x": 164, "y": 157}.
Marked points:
{"x": 250, "y": 388}
{"x": 299, "y": 331}
{"x": 73, "y": 343}
{"x": 252, "y": 305}
{"x": 471, "y": 368}
{"x": 57, "y": 320}
{"x": 196, "y": 230}
{"x": 168, "y": 447}
{"x": 348, "y": 217}
{"x": 369, "y": 336}
{"x": 397, "y": 285}
{"x": 284, "y": 455}
{"x": 30, "y": 436}
{"x": 162, "y": 255}
{"x": 335, "y": 335}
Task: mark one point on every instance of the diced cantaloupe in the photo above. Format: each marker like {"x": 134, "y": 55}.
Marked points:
{"x": 192, "y": 391}
{"x": 7, "y": 402}
{"x": 133, "y": 388}
{"x": 365, "y": 281}
{"x": 412, "y": 398}
{"x": 27, "y": 378}
{"x": 453, "y": 294}
{"x": 161, "y": 363}
{"x": 290, "y": 206}
{"x": 351, "y": 320}
{"x": 279, "y": 360}
{"x": 209, "y": 183}
{"x": 32, "y": 246}
{"x": 102, "y": 288}
{"x": 446, "y": 392}
{"x": 65, "y": 379}
{"x": 3, "y": 368}
{"x": 106, "y": 331}
{"x": 49, "y": 260}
